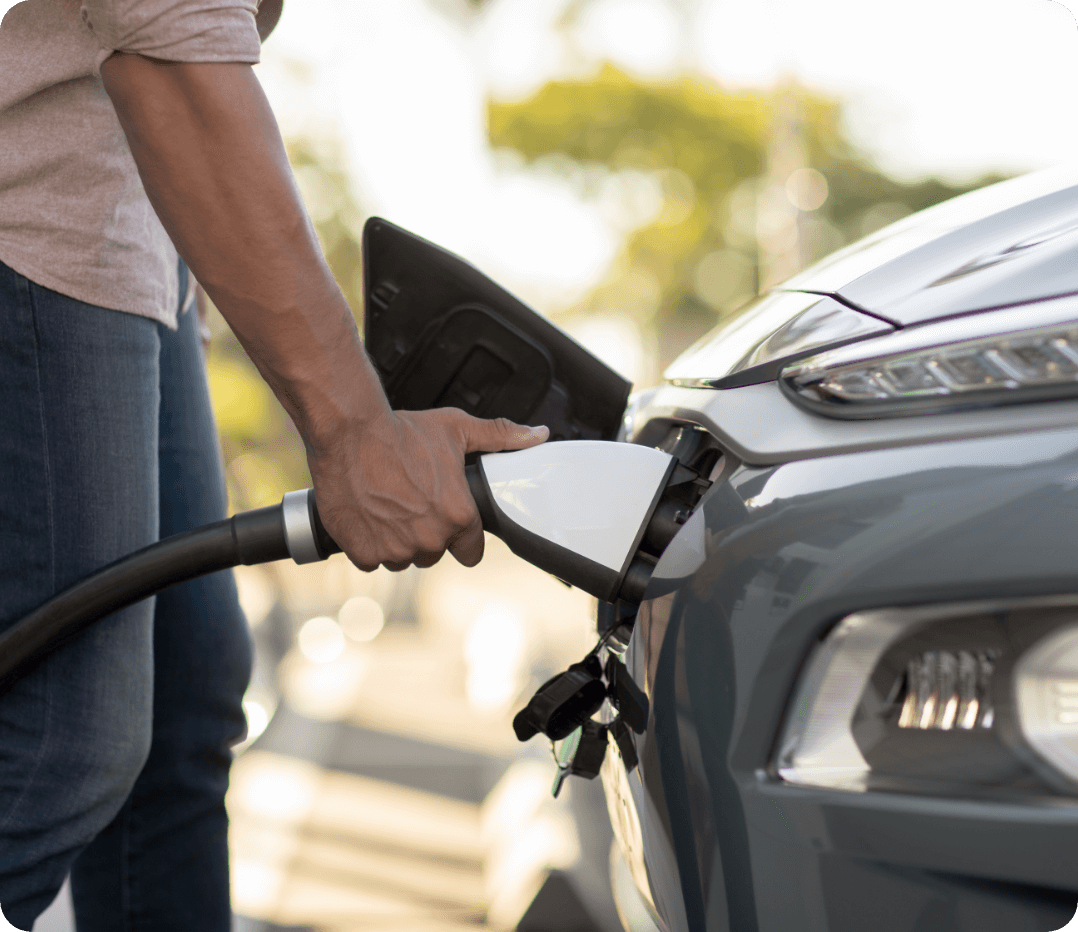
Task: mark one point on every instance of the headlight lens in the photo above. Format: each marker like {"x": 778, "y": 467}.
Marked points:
{"x": 1046, "y": 696}
{"x": 974, "y": 698}
{"x": 1031, "y": 354}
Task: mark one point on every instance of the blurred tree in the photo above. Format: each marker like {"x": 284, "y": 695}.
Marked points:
{"x": 738, "y": 180}
{"x": 263, "y": 453}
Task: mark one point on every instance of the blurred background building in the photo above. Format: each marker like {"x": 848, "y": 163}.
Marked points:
{"x": 636, "y": 170}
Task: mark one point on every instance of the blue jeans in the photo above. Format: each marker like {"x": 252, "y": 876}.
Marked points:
{"x": 114, "y": 753}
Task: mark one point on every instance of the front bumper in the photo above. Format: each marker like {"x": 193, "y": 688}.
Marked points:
{"x": 772, "y": 558}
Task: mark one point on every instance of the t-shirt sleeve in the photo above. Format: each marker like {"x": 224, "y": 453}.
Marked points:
{"x": 175, "y": 30}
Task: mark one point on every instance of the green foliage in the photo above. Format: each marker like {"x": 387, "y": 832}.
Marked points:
{"x": 613, "y": 119}
{"x": 713, "y": 152}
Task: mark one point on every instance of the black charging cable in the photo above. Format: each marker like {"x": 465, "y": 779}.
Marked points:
{"x": 290, "y": 529}
{"x": 248, "y": 538}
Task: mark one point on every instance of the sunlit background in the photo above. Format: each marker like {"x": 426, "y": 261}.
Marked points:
{"x": 634, "y": 169}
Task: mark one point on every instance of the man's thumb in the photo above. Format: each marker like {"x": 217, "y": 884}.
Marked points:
{"x": 493, "y": 436}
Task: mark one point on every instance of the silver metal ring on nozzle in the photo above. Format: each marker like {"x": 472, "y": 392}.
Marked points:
{"x": 298, "y": 532}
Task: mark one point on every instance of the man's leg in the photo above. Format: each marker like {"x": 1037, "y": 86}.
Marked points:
{"x": 78, "y": 489}
{"x": 163, "y": 863}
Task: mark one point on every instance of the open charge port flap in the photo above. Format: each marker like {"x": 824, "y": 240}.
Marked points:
{"x": 473, "y": 361}
{"x": 440, "y": 333}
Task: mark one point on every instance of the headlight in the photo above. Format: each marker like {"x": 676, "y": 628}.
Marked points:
{"x": 970, "y": 699}
{"x": 1046, "y": 700}
{"x": 751, "y": 345}
{"x": 1027, "y": 353}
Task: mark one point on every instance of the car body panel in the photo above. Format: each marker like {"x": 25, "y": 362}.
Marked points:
{"x": 770, "y": 560}
{"x": 1008, "y": 243}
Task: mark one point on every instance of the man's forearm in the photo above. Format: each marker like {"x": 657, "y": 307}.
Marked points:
{"x": 214, "y": 167}
{"x": 391, "y": 486}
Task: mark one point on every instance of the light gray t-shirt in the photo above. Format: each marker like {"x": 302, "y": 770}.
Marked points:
{"x": 73, "y": 213}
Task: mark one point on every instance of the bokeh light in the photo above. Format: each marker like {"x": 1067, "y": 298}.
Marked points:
{"x": 320, "y": 639}
{"x": 617, "y": 340}
{"x": 259, "y": 705}
{"x": 361, "y": 618}
{"x": 494, "y": 652}
{"x": 255, "y": 592}
{"x": 806, "y": 188}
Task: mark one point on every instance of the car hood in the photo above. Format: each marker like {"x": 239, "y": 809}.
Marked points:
{"x": 1005, "y": 244}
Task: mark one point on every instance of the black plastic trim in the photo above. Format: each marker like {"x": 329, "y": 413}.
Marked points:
{"x": 655, "y": 499}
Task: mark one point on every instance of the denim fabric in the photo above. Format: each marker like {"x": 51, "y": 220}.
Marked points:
{"x": 114, "y": 754}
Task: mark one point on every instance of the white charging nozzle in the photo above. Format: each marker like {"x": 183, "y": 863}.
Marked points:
{"x": 595, "y": 513}
{"x": 578, "y": 509}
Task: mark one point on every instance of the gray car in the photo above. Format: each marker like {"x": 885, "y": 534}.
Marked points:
{"x": 854, "y": 671}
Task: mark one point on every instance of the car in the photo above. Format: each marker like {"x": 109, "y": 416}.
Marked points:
{"x": 854, "y": 671}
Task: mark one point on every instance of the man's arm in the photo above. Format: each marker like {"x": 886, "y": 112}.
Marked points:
{"x": 390, "y": 485}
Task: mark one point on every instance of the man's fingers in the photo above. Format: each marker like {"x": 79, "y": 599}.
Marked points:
{"x": 493, "y": 436}
{"x": 420, "y": 506}
{"x": 426, "y": 560}
{"x": 467, "y": 546}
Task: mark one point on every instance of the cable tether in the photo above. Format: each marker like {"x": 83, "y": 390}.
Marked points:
{"x": 247, "y": 538}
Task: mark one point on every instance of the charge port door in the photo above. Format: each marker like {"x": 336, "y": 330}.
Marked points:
{"x": 442, "y": 334}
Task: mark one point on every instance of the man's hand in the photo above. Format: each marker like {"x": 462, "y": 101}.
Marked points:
{"x": 391, "y": 486}
{"x": 399, "y": 495}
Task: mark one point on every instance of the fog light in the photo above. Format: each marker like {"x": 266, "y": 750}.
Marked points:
{"x": 1046, "y": 696}
{"x": 928, "y": 699}
{"x": 948, "y": 689}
